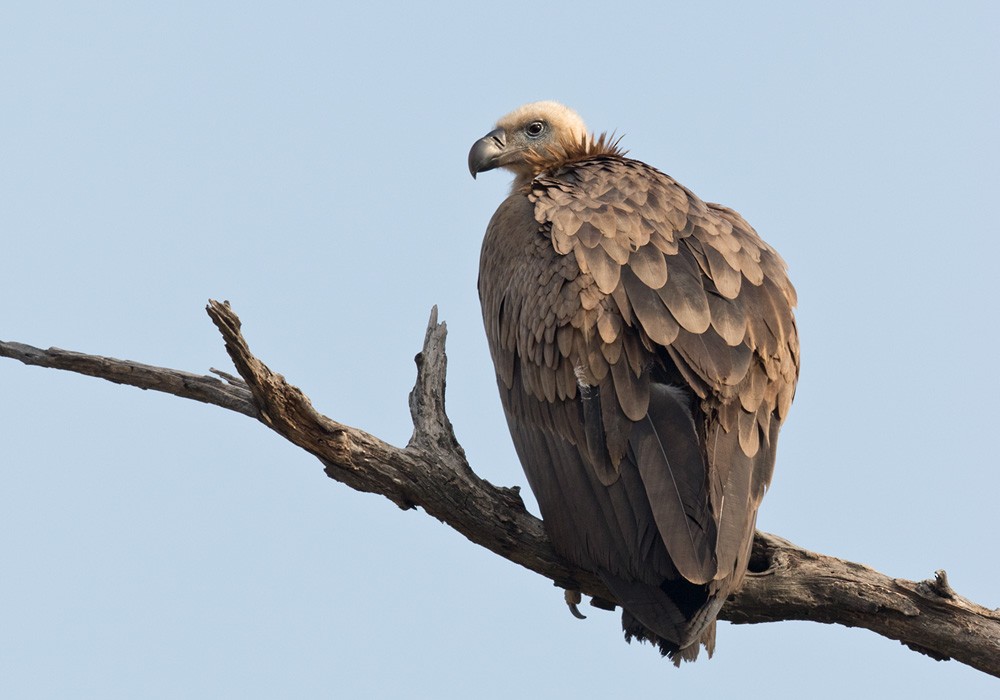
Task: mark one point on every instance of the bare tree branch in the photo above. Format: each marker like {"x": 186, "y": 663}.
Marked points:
{"x": 786, "y": 582}
{"x": 170, "y": 381}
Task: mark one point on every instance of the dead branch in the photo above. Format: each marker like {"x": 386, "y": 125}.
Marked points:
{"x": 786, "y": 582}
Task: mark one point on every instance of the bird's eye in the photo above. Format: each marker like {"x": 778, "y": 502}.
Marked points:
{"x": 535, "y": 129}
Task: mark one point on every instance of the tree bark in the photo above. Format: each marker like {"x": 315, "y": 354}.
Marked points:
{"x": 785, "y": 582}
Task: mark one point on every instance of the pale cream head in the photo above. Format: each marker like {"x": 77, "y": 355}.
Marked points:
{"x": 566, "y": 125}
{"x": 534, "y": 128}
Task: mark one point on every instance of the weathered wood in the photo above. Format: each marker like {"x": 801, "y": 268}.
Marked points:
{"x": 790, "y": 583}
{"x": 199, "y": 387}
{"x": 786, "y": 582}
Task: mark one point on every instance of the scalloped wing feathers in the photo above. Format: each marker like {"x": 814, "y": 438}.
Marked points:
{"x": 646, "y": 353}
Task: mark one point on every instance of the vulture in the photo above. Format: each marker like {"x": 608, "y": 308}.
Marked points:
{"x": 646, "y": 354}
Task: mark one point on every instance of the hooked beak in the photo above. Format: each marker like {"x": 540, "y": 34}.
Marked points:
{"x": 486, "y": 152}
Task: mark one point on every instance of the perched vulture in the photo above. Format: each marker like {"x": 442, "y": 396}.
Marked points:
{"x": 646, "y": 355}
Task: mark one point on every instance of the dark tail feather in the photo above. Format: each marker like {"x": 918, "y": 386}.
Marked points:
{"x": 673, "y": 472}
{"x": 675, "y": 616}
{"x": 634, "y": 629}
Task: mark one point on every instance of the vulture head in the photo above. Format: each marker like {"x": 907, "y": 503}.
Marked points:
{"x": 539, "y": 129}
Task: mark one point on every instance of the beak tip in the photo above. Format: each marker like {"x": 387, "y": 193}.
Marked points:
{"x": 486, "y": 153}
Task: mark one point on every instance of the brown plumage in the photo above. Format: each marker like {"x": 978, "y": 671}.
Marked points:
{"x": 646, "y": 354}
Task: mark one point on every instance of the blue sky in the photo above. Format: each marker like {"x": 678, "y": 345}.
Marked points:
{"x": 308, "y": 164}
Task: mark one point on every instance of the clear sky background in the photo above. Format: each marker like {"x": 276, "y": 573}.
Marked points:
{"x": 309, "y": 164}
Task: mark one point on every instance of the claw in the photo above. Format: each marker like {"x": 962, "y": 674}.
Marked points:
{"x": 573, "y": 598}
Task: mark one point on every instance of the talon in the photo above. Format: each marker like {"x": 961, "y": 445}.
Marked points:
{"x": 573, "y": 598}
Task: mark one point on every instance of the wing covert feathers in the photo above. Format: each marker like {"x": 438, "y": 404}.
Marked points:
{"x": 646, "y": 353}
